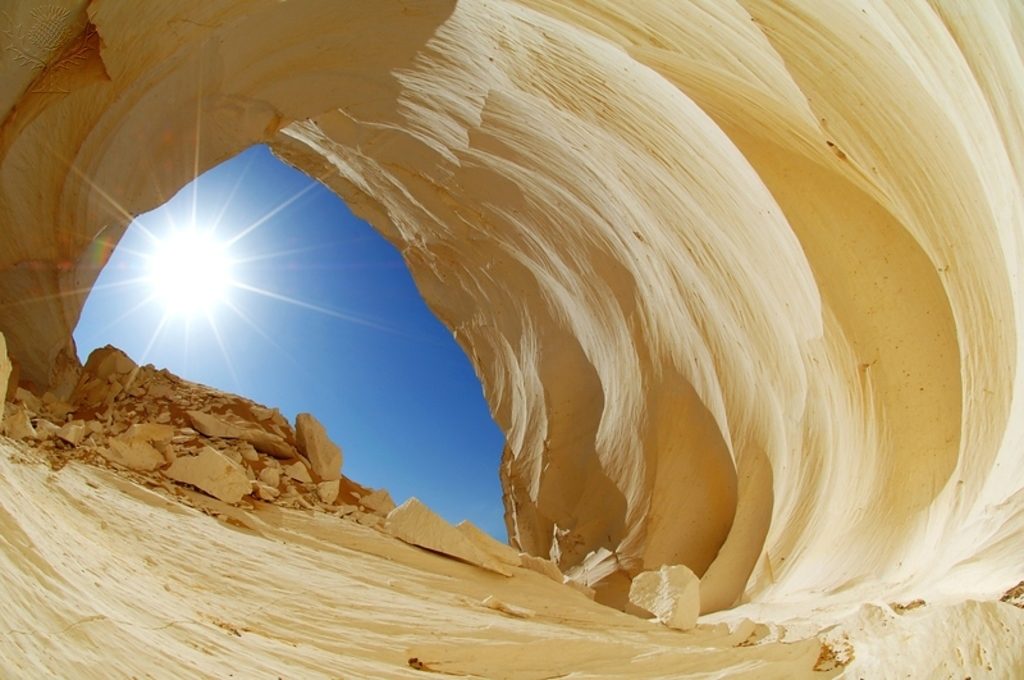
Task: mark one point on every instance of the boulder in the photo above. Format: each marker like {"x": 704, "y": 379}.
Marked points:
{"x": 328, "y": 491}
{"x": 270, "y": 476}
{"x": 378, "y": 501}
{"x": 212, "y": 472}
{"x": 132, "y": 453}
{"x": 298, "y": 472}
{"x": 542, "y": 566}
{"x": 671, "y": 593}
{"x": 496, "y": 549}
{"x": 17, "y": 425}
{"x": 227, "y": 427}
{"x": 312, "y": 440}
{"x": 415, "y": 523}
{"x": 72, "y": 432}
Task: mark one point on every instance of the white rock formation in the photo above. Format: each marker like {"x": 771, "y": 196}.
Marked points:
{"x": 312, "y": 441}
{"x": 234, "y": 428}
{"x": 134, "y": 454}
{"x": 672, "y": 594}
{"x": 742, "y": 279}
{"x": 213, "y": 472}
{"x": 417, "y": 524}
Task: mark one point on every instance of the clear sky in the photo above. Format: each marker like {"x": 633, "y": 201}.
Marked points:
{"x": 361, "y": 350}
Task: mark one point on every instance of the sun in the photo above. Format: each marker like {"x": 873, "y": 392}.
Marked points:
{"x": 190, "y": 272}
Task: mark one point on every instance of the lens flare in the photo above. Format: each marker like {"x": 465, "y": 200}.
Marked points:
{"x": 190, "y": 272}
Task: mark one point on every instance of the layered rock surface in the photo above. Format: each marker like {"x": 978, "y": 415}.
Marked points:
{"x": 742, "y": 280}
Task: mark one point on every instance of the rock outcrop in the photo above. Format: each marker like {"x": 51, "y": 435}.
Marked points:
{"x": 417, "y": 524}
{"x": 324, "y": 456}
{"x": 165, "y": 429}
{"x": 742, "y": 279}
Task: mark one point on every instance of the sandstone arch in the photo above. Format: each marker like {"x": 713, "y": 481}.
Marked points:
{"x": 742, "y": 280}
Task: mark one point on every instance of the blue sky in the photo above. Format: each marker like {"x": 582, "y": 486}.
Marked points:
{"x": 362, "y": 351}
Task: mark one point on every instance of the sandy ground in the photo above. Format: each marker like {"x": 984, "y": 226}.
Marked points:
{"x": 104, "y": 578}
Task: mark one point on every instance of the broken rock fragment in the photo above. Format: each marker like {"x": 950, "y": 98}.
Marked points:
{"x": 17, "y": 425}
{"x": 328, "y": 491}
{"x": 541, "y": 566}
{"x": 494, "y": 603}
{"x": 499, "y": 551}
{"x": 72, "y": 432}
{"x": 212, "y": 472}
{"x": 323, "y": 454}
{"x": 298, "y": 472}
{"x": 671, "y": 593}
{"x": 132, "y": 453}
{"x": 379, "y": 501}
{"x": 415, "y": 523}
{"x": 220, "y": 426}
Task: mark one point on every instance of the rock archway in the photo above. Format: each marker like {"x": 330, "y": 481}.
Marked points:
{"x": 741, "y": 279}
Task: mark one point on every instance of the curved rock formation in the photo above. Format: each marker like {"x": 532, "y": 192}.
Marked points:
{"x": 741, "y": 279}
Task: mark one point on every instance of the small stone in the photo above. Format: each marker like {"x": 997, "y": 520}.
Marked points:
{"x": 323, "y": 454}
{"x": 298, "y": 472}
{"x": 265, "y": 492}
{"x": 213, "y": 473}
{"x": 232, "y": 454}
{"x": 45, "y": 429}
{"x": 328, "y": 491}
{"x": 672, "y": 594}
{"x": 494, "y": 603}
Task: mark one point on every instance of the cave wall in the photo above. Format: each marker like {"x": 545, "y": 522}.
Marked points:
{"x": 741, "y": 279}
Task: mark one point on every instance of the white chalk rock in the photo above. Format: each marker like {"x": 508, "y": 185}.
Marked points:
{"x": 72, "y": 432}
{"x": 417, "y": 524}
{"x": 132, "y": 453}
{"x": 328, "y": 491}
{"x": 379, "y": 501}
{"x": 212, "y": 472}
{"x": 271, "y": 476}
{"x": 298, "y": 472}
{"x": 496, "y": 549}
{"x": 226, "y": 427}
{"x": 672, "y": 594}
{"x": 17, "y": 425}
{"x": 313, "y": 442}
{"x": 541, "y": 566}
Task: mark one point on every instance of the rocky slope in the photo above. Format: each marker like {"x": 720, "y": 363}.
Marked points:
{"x": 155, "y": 527}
